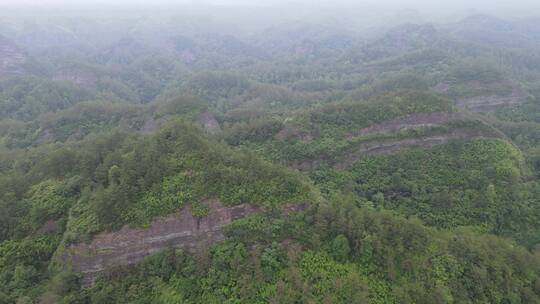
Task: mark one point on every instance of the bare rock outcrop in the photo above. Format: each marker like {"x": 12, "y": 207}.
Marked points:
{"x": 293, "y": 133}
{"x": 12, "y": 59}
{"x": 78, "y": 76}
{"x": 488, "y": 103}
{"x": 366, "y": 146}
{"x": 441, "y": 88}
{"x": 483, "y": 101}
{"x": 44, "y": 136}
{"x": 388, "y": 146}
{"x": 152, "y": 124}
{"x": 412, "y": 121}
{"x": 491, "y": 102}
{"x": 50, "y": 227}
{"x": 391, "y": 146}
{"x": 129, "y": 246}
{"x": 209, "y": 123}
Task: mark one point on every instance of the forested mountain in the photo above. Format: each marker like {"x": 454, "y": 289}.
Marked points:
{"x": 148, "y": 159}
{"x": 13, "y": 59}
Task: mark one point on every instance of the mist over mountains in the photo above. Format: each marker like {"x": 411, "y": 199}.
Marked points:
{"x": 269, "y": 152}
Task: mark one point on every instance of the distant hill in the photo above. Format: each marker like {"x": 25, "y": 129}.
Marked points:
{"x": 489, "y": 30}
{"x": 12, "y": 58}
{"x": 173, "y": 159}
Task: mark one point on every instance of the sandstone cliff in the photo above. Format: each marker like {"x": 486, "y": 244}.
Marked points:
{"x": 129, "y": 246}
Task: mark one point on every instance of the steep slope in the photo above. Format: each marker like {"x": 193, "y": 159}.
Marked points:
{"x": 414, "y": 153}
{"x": 107, "y": 182}
{"x": 339, "y": 254}
{"x": 481, "y": 88}
{"x": 332, "y": 132}
{"x": 169, "y": 160}
{"x": 12, "y": 59}
{"x": 130, "y": 246}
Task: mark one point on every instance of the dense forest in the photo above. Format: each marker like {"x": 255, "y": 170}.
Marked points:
{"x": 293, "y": 163}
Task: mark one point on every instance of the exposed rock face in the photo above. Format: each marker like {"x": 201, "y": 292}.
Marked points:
{"x": 131, "y": 245}
{"x": 11, "y": 59}
{"x": 486, "y": 102}
{"x": 442, "y": 88}
{"x": 77, "y": 76}
{"x": 378, "y": 147}
{"x": 416, "y": 120}
{"x": 293, "y": 133}
{"x": 491, "y": 103}
{"x": 49, "y": 227}
{"x": 44, "y": 136}
{"x": 209, "y": 123}
{"x": 387, "y": 147}
{"x": 366, "y": 146}
{"x": 482, "y": 101}
{"x": 152, "y": 125}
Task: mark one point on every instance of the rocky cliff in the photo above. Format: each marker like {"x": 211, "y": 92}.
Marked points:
{"x": 483, "y": 101}
{"x": 377, "y": 139}
{"x": 12, "y": 58}
{"x": 489, "y": 103}
{"x": 209, "y": 123}
{"x": 412, "y": 121}
{"x": 129, "y": 246}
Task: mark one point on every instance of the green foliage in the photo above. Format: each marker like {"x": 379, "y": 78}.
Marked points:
{"x": 340, "y": 248}
{"x": 199, "y": 210}
{"x": 185, "y": 106}
{"x": 23, "y": 266}
{"x": 83, "y": 150}
{"x": 258, "y": 130}
{"x": 324, "y": 131}
{"x": 356, "y": 115}
{"x": 174, "y": 193}
{"x": 32, "y": 96}
{"x": 389, "y": 260}
{"x": 321, "y": 271}
{"x": 86, "y": 118}
{"x": 217, "y": 85}
{"x": 50, "y": 200}
{"x": 157, "y": 175}
{"x": 475, "y": 183}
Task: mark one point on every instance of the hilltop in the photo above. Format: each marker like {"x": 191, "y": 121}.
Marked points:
{"x": 180, "y": 160}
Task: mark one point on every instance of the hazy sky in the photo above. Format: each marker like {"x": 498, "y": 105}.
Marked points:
{"x": 390, "y": 3}
{"x": 529, "y": 7}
